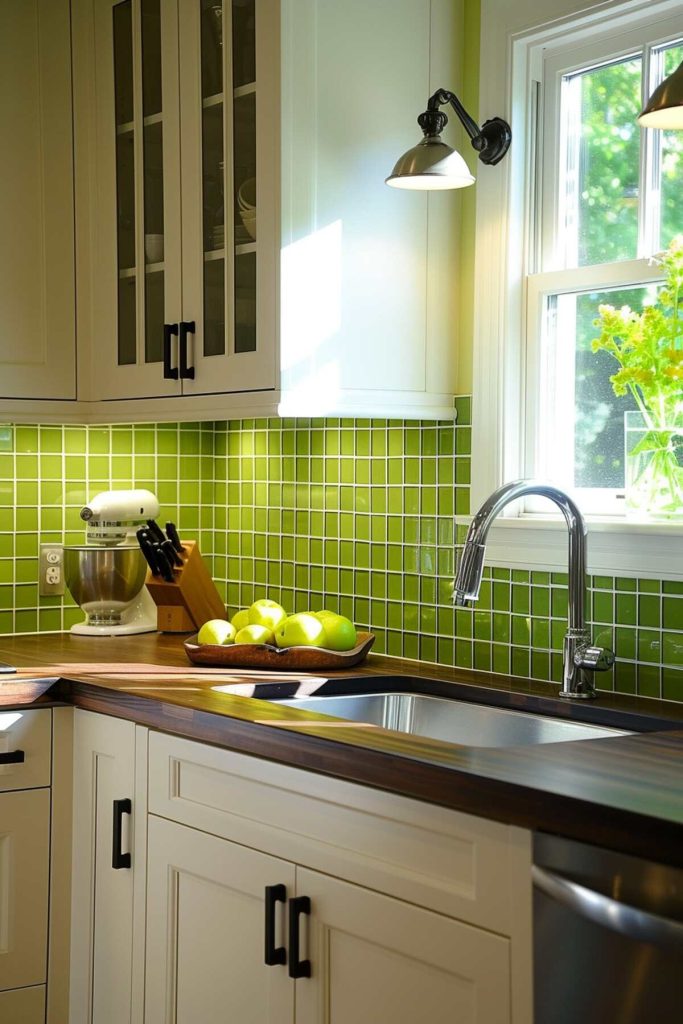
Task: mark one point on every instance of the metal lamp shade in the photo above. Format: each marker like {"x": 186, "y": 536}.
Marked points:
{"x": 430, "y": 165}
{"x": 664, "y": 109}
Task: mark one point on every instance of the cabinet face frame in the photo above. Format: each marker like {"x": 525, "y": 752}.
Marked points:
{"x": 140, "y": 379}
{"x": 102, "y": 898}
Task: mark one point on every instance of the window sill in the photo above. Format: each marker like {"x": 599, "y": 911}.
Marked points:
{"x": 615, "y": 547}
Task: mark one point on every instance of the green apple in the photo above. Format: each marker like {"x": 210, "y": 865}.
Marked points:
{"x": 266, "y": 613}
{"x": 323, "y": 614}
{"x": 300, "y": 630}
{"x": 217, "y": 631}
{"x": 255, "y": 635}
{"x": 340, "y": 633}
{"x": 240, "y": 619}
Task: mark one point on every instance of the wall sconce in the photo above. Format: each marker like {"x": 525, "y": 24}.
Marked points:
{"x": 664, "y": 109}
{"x": 434, "y": 165}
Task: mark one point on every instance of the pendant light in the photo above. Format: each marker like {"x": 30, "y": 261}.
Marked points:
{"x": 664, "y": 109}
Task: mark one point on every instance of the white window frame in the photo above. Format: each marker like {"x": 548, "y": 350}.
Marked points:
{"x": 512, "y": 37}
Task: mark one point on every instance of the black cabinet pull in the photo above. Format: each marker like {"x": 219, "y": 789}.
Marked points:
{"x": 118, "y": 859}
{"x": 170, "y": 372}
{"x": 12, "y": 757}
{"x": 274, "y": 954}
{"x": 297, "y": 968}
{"x": 186, "y": 327}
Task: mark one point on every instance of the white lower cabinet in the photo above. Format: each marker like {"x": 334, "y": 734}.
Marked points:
{"x": 263, "y": 894}
{"x": 362, "y": 957}
{"x": 387, "y": 909}
{"x": 102, "y": 922}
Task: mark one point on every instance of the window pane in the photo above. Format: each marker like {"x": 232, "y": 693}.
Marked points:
{"x": 599, "y": 413}
{"x": 671, "y": 165}
{"x": 601, "y": 152}
{"x": 582, "y": 437}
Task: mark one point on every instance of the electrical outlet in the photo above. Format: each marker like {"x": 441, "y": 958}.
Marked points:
{"x": 51, "y": 575}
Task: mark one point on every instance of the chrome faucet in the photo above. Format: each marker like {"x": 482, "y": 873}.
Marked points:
{"x": 580, "y": 657}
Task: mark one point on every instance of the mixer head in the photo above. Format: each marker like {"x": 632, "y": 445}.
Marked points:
{"x": 112, "y": 515}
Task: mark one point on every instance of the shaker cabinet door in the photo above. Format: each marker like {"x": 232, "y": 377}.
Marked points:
{"x": 229, "y": 110}
{"x": 375, "y": 958}
{"x": 37, "y": 278}
{"x": 206, "y": 931}
{"x": 136, "y": 220}
{"x": 24, "y": 853}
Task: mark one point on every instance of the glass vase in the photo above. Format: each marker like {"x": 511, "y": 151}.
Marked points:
{"x": 654, "y": 468}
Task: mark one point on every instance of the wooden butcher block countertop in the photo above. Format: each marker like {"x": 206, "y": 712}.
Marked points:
{"x": 623, "y": 792}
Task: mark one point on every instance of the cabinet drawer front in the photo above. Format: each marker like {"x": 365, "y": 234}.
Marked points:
{"x": 454, "y": 863}
{"x": 24, "y": 851}
{"x": 23, "y": 1005}
{"x": 30, "y": 732}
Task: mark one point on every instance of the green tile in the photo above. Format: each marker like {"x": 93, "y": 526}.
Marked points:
{"x": 648, "y": 610}
{"x": 626, "y": 609}
{"x": 625, "y": 677}
{"x": 649, "y": 646}
{"x": 540, "y": 601}
{"x": 673, "y": 648}
{"x": 649, "y": 681}
{"x": 603, "y": 607}
{"x": 520, "y": 664}
{"x": 672, "y": 613}
{"x": 672, "y": 683}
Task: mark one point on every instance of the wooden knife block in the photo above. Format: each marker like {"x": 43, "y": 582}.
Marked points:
{"x": 191, "y": 600}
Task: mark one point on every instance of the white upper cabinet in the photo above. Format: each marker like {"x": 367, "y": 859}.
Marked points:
{"x": 177, "y": 269}
{"x": 238, "y": 251}
{"x": 366, "y": 271}
{"x": 37, "y": 295}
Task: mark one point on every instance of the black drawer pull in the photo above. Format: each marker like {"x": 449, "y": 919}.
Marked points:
{"x": 186, "y": 327}
{"x": 297, "y": 968}
{"x": 13, "y": 757}
{"x": 118, "y": 859}
{"x": 274, "y": 954}
{"x": 170, "y": 372}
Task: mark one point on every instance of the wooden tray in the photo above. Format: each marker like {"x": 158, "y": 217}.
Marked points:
{"x": 284, "y": 658}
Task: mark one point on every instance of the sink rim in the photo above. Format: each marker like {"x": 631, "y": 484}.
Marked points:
{"x": 526, "y": 718}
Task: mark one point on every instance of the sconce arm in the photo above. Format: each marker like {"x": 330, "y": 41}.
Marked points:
{"x": 491, "y": 141}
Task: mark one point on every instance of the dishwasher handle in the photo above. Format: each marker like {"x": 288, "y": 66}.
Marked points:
{"x": 637, "y": 925}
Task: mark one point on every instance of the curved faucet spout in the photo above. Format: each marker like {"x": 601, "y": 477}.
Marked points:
{"x": 471, "y": 566}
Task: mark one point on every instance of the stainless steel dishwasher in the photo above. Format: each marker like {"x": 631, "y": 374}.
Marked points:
{"x": 608, "y": 936}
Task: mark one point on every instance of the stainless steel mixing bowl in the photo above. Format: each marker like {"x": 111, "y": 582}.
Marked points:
{"x": 104, "y": 581}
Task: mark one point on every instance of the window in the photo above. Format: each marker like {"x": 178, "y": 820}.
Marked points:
{"x": 565, "y": 223}
{"x": 607, "y": 198}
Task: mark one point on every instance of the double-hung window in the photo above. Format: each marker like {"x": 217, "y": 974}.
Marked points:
{"x": 586, "y": 199}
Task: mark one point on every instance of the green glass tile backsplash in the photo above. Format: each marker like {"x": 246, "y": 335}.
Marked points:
{"x": 353, "y": 515}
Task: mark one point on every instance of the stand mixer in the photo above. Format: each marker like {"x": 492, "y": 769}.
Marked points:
{"x": 106, "y": 576}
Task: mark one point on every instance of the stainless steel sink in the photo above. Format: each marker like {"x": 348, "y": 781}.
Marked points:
{"x": 454, "y": 721}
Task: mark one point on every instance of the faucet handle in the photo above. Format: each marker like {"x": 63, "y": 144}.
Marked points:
{"x": 595, "y": 659}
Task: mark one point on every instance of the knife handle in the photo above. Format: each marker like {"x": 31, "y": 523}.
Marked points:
{"x": 170, "y": 372}
{"x": 172, "y": 535}
{"x": 171, "y": 553}
{"x": 155, "y": 531}
{"x": 164, "y": 565}
{"x": 147, "y": 548}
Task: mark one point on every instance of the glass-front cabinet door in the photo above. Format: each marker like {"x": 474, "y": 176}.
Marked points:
{"x": 229, "y": 89}
{"x": 137, "y": 215}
